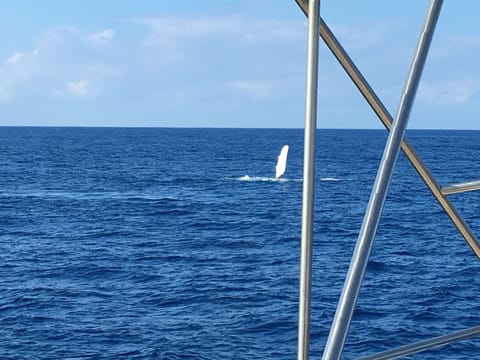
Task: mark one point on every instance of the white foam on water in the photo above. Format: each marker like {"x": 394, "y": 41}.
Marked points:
{"x": 333, "y": 179}
{"x": 264, "y": 179}
{"x": 271, "y": 179}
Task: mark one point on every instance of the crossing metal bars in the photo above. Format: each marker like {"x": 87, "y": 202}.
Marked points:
{"x": 358, "y": 265}
{"x": 374, "y": 212}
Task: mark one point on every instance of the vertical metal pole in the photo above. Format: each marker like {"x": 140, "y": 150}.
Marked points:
{"x": 308, "y": 181}
{"x": 348, "y": 299}
{"x": 385, "y": 117}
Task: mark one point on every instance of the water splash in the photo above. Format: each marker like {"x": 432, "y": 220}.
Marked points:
{"x": 265, "y": 179}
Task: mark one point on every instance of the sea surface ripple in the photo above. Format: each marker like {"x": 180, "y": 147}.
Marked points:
{"x": 179, "y": 244}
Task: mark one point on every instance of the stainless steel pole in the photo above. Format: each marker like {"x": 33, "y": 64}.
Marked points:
{"x": 386, "y": 119}
{"x": 308, "y": 181}
{"x": 459, "y": 188}
{"x": 348, "y": 299}
{"x": 425, "y": 345}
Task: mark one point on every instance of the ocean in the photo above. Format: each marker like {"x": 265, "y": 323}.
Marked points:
{"x": 129, "y": 243}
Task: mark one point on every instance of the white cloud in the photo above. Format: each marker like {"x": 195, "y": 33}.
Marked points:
{"x": 455, "y": 45}
{"x": 361, "y": 37}
{"x": 194, "y": 27}
{"x": 18, "y": 56}
{"x": 15, "y": 58}
{"x": 256, "y": 89}
{"x": 79, "y": 88}
{"x": 57, "y": 38}
{"x": 102, "y": 37}
{"x": 60, "y": 54}
{"x": 448, "y": 92}
{"x": 168, "y": 30}
{"x": 16, "y": 71}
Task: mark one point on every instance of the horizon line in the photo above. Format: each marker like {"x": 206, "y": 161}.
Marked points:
{"x": 219, "y": 127}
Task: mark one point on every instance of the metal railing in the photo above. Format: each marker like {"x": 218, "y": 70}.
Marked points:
{"x": 425, "y": 345}
{"x": 459, "y": 188}
{"x": 395, "y": 142}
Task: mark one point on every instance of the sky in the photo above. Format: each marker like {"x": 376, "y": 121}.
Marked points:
{"x": 228, "y": 63}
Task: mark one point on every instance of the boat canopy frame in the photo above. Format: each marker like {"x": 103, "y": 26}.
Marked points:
{"x": 396, "y": 141}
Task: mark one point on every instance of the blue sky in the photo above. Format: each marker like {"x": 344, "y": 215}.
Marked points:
{"x": 225, "y": 63}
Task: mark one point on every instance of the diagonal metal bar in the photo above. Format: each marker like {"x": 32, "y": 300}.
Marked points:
{"x": 386, "y": 119}
{"x": 353, "y": 282}
{"x": 425, "y": 345}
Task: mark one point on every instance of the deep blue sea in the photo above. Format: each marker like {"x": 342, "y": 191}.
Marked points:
{"x": 120, "y": 243}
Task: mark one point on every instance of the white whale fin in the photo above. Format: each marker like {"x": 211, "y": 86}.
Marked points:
{"x": 281, "y": 163}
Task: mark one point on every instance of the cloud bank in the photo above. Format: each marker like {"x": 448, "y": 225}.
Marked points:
{"x": 165, "y": 69}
